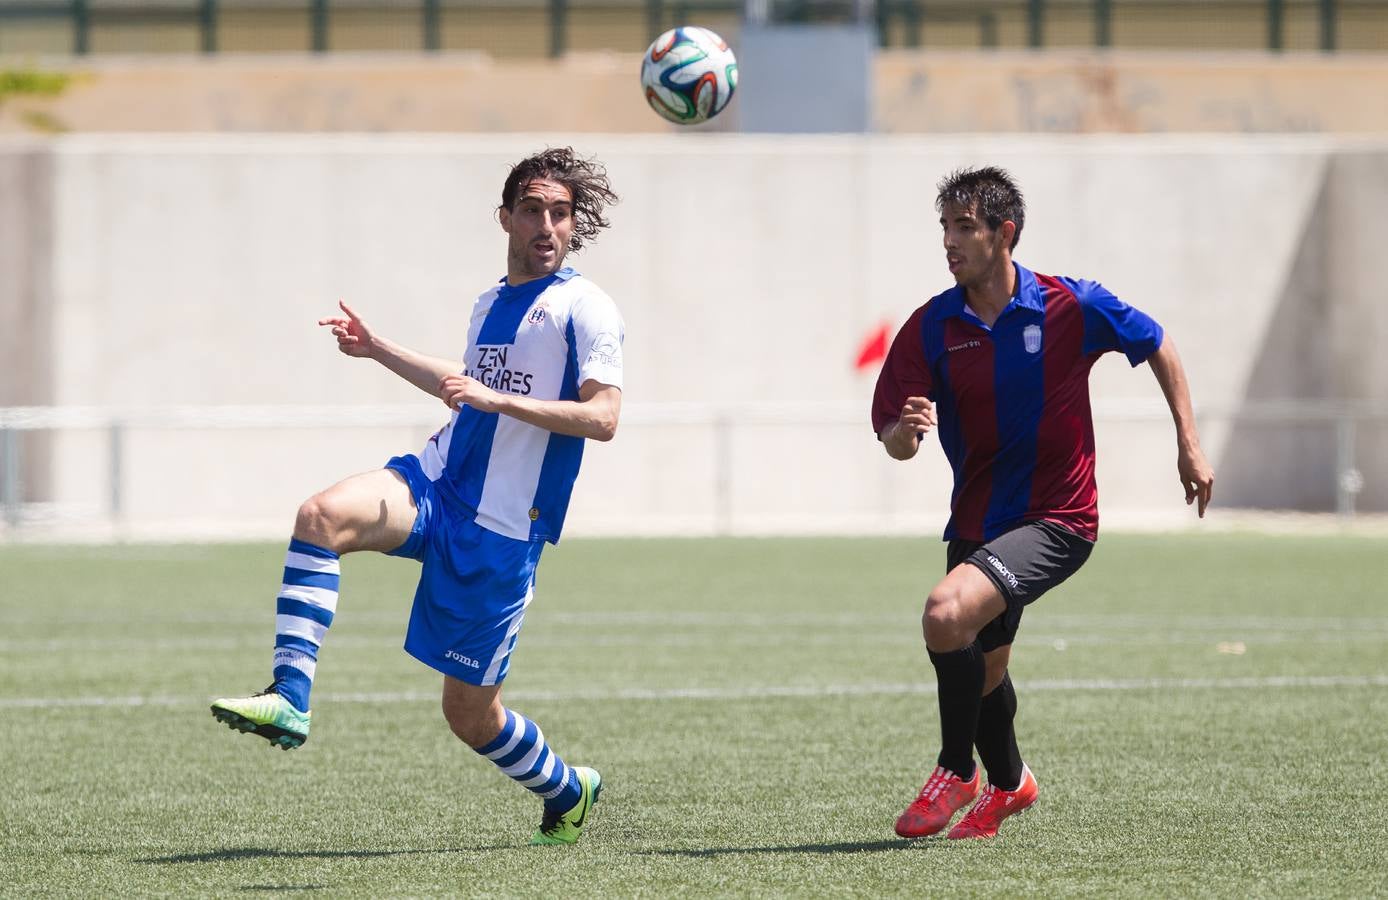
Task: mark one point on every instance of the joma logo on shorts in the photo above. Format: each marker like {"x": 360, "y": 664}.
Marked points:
{"x": 1003, "y": 570}
{"x": 465, "y": 660}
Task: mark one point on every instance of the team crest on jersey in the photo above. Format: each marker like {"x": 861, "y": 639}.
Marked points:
{"x": 537, "y": 315}
{"x": 1031, "y": 338}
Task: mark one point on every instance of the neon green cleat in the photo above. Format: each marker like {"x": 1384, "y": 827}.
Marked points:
{"x": 267, "y": 714}
{"x": 564, "y": 828}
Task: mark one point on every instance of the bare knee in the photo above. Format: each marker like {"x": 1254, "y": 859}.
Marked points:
{"x": 320, "y": 522}
{"x": 469, "y": 728}
{"x": 473, "y": 726}
{"x": 943, "y": 622}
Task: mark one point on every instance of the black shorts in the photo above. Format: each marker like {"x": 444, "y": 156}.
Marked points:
{"x": 1023, "y": 563}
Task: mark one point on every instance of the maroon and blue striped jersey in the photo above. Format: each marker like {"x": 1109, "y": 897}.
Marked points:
{"x": 1013, "y": 399}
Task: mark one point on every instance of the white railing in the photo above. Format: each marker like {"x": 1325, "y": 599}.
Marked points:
{"x": 722, "y": 422}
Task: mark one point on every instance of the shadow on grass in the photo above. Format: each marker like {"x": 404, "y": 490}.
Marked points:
{"x": 854, "y": 847}
{"x": 239, "y": 853}
{"x": 279, "y": 888}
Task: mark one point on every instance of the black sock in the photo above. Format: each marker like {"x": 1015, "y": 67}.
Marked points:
{"x": 996, "y": 741}
{"x": 960, "y": 677}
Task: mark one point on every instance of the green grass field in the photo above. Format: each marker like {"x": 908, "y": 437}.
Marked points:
{"x": 1206, "y": 715}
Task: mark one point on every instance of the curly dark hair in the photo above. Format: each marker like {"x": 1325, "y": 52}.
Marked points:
{"x": 586, "y": 180}
{"x": 990, "y": 192}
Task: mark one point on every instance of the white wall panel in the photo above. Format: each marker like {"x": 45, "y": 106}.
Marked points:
{"x": 191, "y": 270}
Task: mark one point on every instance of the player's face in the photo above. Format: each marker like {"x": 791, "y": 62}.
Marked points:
{"x": 540, "y": 224}
{"x": 972, "y": 249}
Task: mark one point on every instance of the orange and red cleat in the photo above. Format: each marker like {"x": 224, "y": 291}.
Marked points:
{"x": 944, "y": 794}
{"x": 995, "y": 805}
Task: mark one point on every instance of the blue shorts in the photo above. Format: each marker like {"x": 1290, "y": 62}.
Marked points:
{"x": 473, "y": 589}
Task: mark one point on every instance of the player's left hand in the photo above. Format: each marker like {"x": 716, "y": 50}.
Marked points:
{"x": 354, "y": 337}
{"x": 457, "y": 390}
{"x": 1197, "y": 477}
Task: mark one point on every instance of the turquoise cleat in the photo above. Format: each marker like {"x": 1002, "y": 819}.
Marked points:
{"x": 564, "y": 828}
{"x": 267, "y": 714}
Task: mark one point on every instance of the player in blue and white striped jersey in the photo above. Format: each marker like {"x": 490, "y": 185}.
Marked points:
{"x": 542, "y": 372}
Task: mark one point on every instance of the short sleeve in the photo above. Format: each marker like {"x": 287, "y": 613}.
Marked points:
{"x": 905, "y": 373}
{"x": 1111, "y": 324}
{"x": 598, "y": 333}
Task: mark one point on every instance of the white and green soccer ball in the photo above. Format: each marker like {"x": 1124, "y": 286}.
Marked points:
{"x": 689, "y": 75}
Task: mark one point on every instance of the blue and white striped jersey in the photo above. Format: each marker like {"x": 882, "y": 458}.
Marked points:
{"x": 541, "y": 339}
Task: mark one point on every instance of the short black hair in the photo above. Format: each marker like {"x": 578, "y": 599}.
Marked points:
{"x": 990, "y": 192}
{"x": 586, "y": 180}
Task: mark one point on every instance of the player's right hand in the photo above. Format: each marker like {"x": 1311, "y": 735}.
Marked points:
{"x": 354, "y": 336}
{"x": 458, "y": 389}
{"x": 917, "y": 416}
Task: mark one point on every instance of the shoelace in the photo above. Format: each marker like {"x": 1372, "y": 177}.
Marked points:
{"x": 549, "y": 822}
{"x": 982, "y": 808}
{"x": 937, "y": 782}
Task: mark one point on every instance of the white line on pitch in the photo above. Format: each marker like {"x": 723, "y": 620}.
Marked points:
{"x": 1056, "y": 640}
{"x": 907, "y": 617}
{"x": 761, "y": 691}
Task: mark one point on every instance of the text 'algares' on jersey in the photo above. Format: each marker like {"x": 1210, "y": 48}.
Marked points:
{"x": 541, "y": 339}
{"x": 1013, "y": 400}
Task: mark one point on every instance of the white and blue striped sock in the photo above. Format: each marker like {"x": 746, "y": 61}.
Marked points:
{"x": 520, "y": 751}
{"x": 303, "y": 612}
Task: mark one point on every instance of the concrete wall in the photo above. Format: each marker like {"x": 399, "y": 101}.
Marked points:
{"x": 934, "y": 92}
{"x": 25, "y": 244}
{"x": 191, "y": 270}
{"x": 26, "y": 306}
{"x": 1080, "y": 93}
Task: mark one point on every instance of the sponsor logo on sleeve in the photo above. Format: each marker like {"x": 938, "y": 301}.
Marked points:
{"x": 607, "y": 350}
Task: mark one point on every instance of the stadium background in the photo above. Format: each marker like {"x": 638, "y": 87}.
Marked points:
{"x": 186, "y": 186}
{"x": 189, "y": 185}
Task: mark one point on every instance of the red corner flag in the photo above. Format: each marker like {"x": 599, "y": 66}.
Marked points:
{"x": 873, "y": 349}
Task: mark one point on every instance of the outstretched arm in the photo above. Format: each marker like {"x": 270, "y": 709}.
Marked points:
{"x": 1196, "y": 475}
{"x": 593, "y": 415}
{"x": 355, "y": 338}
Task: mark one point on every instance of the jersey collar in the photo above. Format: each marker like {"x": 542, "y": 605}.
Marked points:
{"x": 534, "y": 287}
{"x": 951, "y": 303}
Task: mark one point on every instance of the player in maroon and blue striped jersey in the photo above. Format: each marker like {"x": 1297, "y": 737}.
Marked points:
{"x": 1000, "y": 365}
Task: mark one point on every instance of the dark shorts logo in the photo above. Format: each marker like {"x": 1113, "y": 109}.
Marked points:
{"x": 1003, "y": 570}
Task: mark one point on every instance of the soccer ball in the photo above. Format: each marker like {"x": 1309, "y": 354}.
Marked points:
{"x": 689, "y": 75}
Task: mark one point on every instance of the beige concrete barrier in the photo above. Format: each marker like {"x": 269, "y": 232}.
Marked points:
{"x": 932, "y": 92}
{"x": 189, "y": 271}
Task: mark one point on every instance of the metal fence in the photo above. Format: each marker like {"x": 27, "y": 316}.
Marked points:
{"x": 1336, "y": 479}
{"x": 556, "y": 27}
